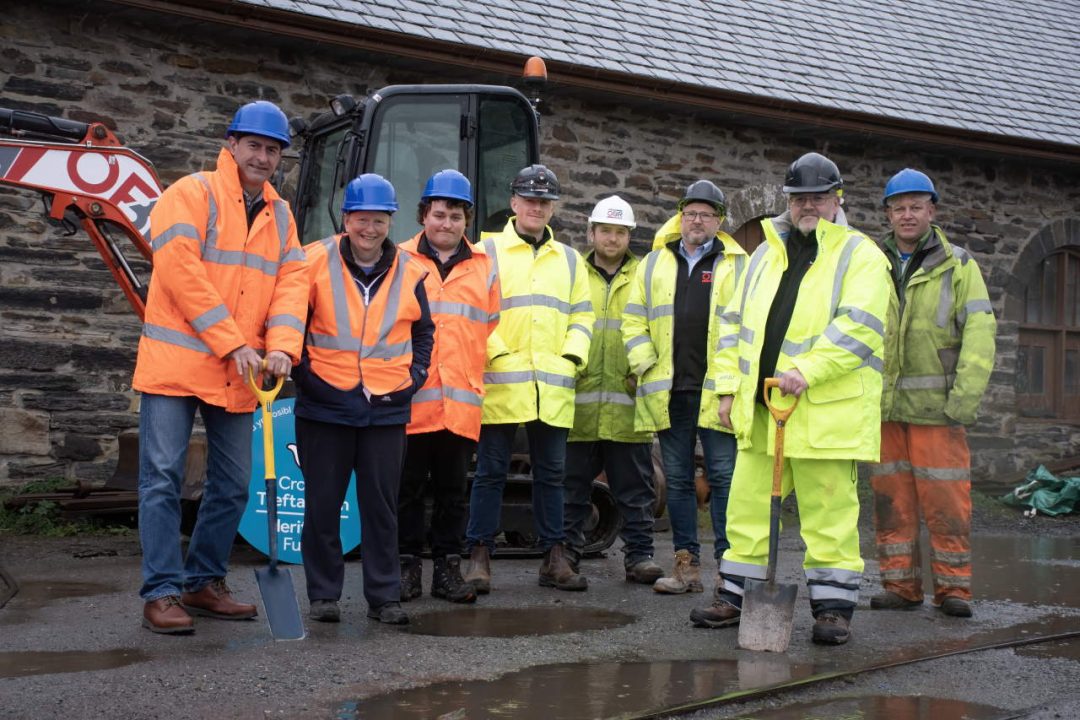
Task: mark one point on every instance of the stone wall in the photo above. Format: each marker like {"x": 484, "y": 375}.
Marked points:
{"x": 168, "y": 88}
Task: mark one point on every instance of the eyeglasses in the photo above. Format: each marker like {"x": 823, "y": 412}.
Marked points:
{"x": 692, "y": 216}
{"x": 815, "y": 200}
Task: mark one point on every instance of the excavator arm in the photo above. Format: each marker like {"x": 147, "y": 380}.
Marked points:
{"x": 86, "y": 178}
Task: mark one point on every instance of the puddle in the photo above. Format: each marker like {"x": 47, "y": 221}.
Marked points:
{"x": 1025, "y": 569}
{"x": 881, "y": 707}
{"x": 21, "y": 664}
{"x": 1063, "y": 649}
{"x": 515, "y": 622}
{"x": 41, "y": 592}
{"x": 572, "y": 691}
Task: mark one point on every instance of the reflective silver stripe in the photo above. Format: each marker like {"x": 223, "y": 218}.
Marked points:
{"x": 650, "y": 266}
{"x": 175, "y": 337}
{"x": 337, "y": 292}
{"x": 975, "y": 306}
{"x": 898, "y": 574}
{"x": 178, "y": 230}
{"x": 653, "y": 387}
{"x": 874, "y": 363}
{"x": 331, "y": 342}
{"x": 950, "y": 558}
{"x": 281, "y": 220}
{"x": 661, "y": 311}
{"x": 746, "y": 570}
{"x": 841, "y": 269}
{"x": 469, "y": 312}
{"x": 210, "y": 318}
{"x": 709, "y": 385}
{"x": 925, "y": 473}
{"x": 833, "y": 584}
{"x": 427, "y": 395}
{"x": 634, "y": 309}
{"x": 294, "y": 255}
{"x": 727, "y": 341}
{"x": 730, "y": 318}
{"x": 467, "y": 397}
{"x": 489, "y": 250}
{"x": 507, "y": 378}
{"x": 536, "y": 300}
{"x": 794, "y": 349}
{"x": 901, "y": 549}
{"x": 635, "y": 341}
{"x": 946, "y": 300}
{"x": 390, "y": 315}
{"x": 238, "y": 257}
{"x": 582, "y": 328}
{"x": 493, "y": 317}
{"x": 383, "y": 351}
{"x": 287, "y": 321}
{"x": 604, "y": 397}
{"x": 755, "y": 260}
{"x": 854, "y": 346}
{"x": 553, "y": 379}
{"x": 864, "y": 318}
{"x": 732, "y": 587}
{"x": 571, "y": 260}
{"x": 746, "y": 335}
{"x": 957, "y": 581}
{"x": 744, "y": 366}
{"x": 211, "y": 216}
{"x": 740, "y": 263}
{"x": 925, "y": 382}
{"x": 584, "y": 306}
{"x": 890, "y": 468}
{"x": 607, "y": 324}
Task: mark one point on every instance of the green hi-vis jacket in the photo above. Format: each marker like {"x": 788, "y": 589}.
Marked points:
{"x": 940, "y": 353}
{"x": 603, "y": 406}
{"x": 835, "y": 339}
{"x": 649, "y": 330}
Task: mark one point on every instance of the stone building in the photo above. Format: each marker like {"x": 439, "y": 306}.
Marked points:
{"x": 644, "y": 98}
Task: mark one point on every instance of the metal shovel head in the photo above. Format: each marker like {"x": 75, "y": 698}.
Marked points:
{"x": 279, "y": 601}
{"x": 768, "y": 611}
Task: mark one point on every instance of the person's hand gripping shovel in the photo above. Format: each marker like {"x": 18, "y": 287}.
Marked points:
{"x": 769, "y": 607}
{"x": 275, "y": 582}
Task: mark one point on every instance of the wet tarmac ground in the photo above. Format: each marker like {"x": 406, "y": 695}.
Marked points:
{"x": 70, "y": 641}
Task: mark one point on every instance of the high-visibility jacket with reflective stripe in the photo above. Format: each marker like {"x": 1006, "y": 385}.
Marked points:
{"x": 216, "y": 286}
{"x": 350, "y": 342}
{"x": 835, "y": 339}
{"x": 670, "y": 231}
{"x": 465, "y": 310}
{"x": 939, "y": 358}
{"x": 649, "y": 330}
{"x": 545, "y": 314}
{"x": 604, "y": 409}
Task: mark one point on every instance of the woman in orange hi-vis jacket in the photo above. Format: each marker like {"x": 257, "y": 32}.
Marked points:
{"x": 229, "y": 283}
{"x": 367, "y": 350}
{"x": 464, "y": 294}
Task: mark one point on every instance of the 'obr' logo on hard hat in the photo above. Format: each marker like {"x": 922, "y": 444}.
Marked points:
{"x": 614, "y": 214}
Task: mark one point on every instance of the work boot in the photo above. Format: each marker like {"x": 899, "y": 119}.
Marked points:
{"x": 686, "y": 577}
{"x": 166, "y": 616}
{"x": 831, "y": 628}
{"x": 956, "y": 607}
{"x": 479, "y": 574}
{"x": 411, "y": 578}
{"x": 720, "y": 614}
{"x": 556, "y": 571}
{"x": 326, "y": 611}
{"x": 645, "y": 572}
{"x": 447, "y": 583}
{"x": 391, "y": 613}
{"x": 889, "y": 600}
{"x": 215, "y": 600}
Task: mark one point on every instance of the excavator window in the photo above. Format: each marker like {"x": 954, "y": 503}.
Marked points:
{"x": 322, "y": 218}
{"x": 503, "y": 139}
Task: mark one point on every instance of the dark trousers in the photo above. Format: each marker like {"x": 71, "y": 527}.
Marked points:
{"x": 629, "y": 471}
{"x": 329, "y": 453}
{"x": 435, "y": 461}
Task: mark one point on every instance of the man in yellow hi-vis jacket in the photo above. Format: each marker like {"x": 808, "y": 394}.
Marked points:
{"x": 534, "y": 358}
{"x": 810, "y": 310}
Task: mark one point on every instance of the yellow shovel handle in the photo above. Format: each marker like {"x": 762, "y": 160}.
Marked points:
{"x": 266, "y": 401}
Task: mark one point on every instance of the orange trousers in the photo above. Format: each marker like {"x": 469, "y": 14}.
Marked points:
{"x": 925, "y": 470}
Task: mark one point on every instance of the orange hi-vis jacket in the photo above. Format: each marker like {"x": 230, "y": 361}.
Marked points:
{"x": 353, "y": 340}
{"x": 465, "y": 310}
{"x": 218, "y": 285}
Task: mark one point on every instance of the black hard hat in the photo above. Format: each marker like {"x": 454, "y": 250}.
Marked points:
{"x": 706, "y": 192}
{"x": 536, "y": 181}
{"x": 812, "y": 173}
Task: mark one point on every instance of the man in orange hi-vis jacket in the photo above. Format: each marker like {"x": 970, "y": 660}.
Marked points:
{"x": 229, "y": 288}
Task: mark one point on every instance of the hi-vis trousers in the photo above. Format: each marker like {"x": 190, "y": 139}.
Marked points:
{"x": 924, "y": 469}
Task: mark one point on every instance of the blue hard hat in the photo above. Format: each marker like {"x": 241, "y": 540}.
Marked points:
{"x": 261, "y": 117}
{"x": 448, "y": 184}
{"x": 909, "y": 181}
{"x": 370, "y": 192}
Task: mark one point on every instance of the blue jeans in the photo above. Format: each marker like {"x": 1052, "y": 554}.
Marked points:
{"x": 547, "y": 454}
{"x": 165, "y": 424}
{"x": 677, "y": 445}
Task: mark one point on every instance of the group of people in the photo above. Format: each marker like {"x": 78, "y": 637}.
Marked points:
{"x": 408, "y": 358}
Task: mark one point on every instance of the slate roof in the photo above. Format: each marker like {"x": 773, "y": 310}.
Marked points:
{"x": 1006, "y": 67}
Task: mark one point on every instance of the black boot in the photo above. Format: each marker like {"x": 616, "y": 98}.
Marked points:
{"x": 447, "y": 583}
{"x": 411, "y": 583}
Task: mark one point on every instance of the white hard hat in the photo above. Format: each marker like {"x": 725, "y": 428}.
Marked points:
{"x": 613, "y": 211}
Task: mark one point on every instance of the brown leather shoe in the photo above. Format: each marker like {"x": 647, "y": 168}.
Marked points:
{"x": 479, "y": 569}
{"x": 686, "y": 577}
{"x": 216, "y": 601}
{"x": 166, "y": 616}
{"x": 557, "y": 572}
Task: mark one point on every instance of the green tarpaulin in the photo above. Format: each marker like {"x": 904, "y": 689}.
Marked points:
{"x": 1043, "y": 492}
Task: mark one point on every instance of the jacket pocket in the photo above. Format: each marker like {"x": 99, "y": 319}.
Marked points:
{"x": 836, "y": 413}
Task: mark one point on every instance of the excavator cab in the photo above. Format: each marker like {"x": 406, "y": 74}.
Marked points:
{"x": 406, "y": 133}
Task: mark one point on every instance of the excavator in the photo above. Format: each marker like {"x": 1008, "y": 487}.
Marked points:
{"x": 89, "y": 180}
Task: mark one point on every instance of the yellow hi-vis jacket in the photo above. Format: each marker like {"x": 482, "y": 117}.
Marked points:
{"x": 835, "y": 339}
{"x": 604, "y": 407}
{"x": 940, "y": 354}
{"x": 545, "y": 314}
{"x": 218, "y": 285}
{"x": 649, "y": 329}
